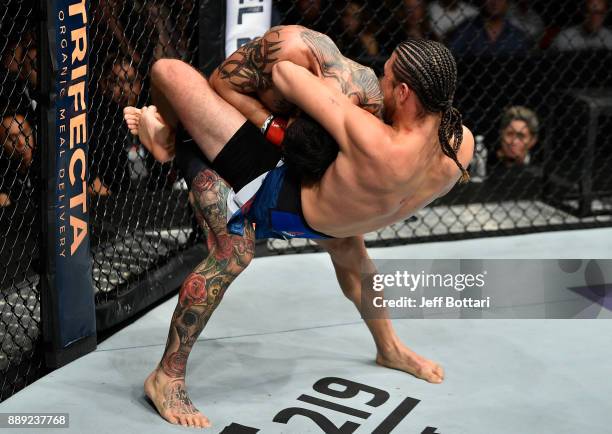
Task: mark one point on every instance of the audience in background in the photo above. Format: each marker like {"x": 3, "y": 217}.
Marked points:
{"x": 591, "y": 34}
{"x": 499, "y": 27}
{"x": 489, "y": 33}
{"x": 524, "y": 18}
{"x": 355, "y": 38}
{"x": 311, "y": 14}
{"x": 415, "y": 20}
{"x": 108, "y": 33}
{"x": 19, "y": 61}
{"x": 20, "y": 58}
{"x": 170, "y": 42}
{"x": 16, "y": 154}
{"x": 108, "y": 156}
{"x": 519, "y": 131}
{"x": 122, "y": 83}
{"x": 446, "y": 15}
{"x": 113, "y": 31}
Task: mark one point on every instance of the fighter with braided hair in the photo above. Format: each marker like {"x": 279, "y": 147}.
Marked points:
{"x": 383, "y": 172}
{"x": 435, "y": 88}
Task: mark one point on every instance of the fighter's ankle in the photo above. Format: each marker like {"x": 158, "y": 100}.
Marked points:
{"x": 391, "y": 346}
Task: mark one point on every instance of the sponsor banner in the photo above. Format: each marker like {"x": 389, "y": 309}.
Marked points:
{"x": 244, "y": 21}
{"x": 71, "y": 286}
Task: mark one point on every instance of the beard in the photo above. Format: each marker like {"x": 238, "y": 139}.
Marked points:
{"x": 388, "y": 111}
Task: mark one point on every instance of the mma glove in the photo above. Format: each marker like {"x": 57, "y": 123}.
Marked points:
{"x": 273, "y": 129}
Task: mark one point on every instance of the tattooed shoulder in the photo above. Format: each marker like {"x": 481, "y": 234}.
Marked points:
{"x": 248, "y": 69}
{"x": 325, "y": 51}
{"x": 366, "y": 87}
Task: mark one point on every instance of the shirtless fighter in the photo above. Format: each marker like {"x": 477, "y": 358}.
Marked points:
{"x": 381, "y": 174}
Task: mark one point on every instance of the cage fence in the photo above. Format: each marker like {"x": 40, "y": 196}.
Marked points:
{"x": 20, "y": 231}
{"x": 139, "y": 208}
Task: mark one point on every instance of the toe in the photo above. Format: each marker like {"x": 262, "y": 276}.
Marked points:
{"x": 183, "y": 420}
{"x": 131, "y": 110}
{"x": 173, "y": 419}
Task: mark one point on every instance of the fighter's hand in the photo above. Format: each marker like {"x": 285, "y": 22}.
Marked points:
{"x": 273, "y": 129}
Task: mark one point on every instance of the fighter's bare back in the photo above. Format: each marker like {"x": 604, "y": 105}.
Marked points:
{"x": 383, "y": 173}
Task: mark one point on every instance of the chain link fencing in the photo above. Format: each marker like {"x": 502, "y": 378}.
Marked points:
{"x": 21, "y": 358}
{"x": 140, "y": 214}
{"x": 532, "y": 87}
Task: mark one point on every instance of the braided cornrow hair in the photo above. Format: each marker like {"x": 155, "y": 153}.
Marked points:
{"x": 429, "y": 69}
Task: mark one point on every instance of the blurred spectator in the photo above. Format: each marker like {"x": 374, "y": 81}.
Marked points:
{"x": 519, "y": 131}
{"x": 108, "y": 154}
{"x": 186, "y": 26}
{"x": 122, "y": 83}
{"x": 415, "y": 21}
{"x": 17, "y": 139}
{"x": 355, "y": 38}
{"x": 591, "y": 34}
{"x": 170, "y": 42}
{"x": 106, "y": 17}
{"x": 489, "y": 33}
{"x": 446, "y": 15}
{"x": 309, "y": 13}
{"x": 19, "y": 58}
{"x": 524, "y": 18}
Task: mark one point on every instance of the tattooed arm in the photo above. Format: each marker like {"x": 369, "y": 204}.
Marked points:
{"x": 367, "y": 88}
{"x": 356, "y": 81}
{"x": 245, "y": 73}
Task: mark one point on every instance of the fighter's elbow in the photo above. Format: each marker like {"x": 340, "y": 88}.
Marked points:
{"x": 279, "y": 69}
{"x": 468, "y": 141}
{"x": 215, "y": 81}
{"x": 281, "y": 75}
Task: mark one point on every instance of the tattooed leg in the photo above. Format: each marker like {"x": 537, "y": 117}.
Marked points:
{"x": 199, "y": 296}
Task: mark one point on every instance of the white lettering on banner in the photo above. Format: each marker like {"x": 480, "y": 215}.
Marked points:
{"x": 245, "y": 20}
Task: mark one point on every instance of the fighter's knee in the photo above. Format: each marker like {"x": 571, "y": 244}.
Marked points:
{"x": 343, "y": 246}
{"x": 208, "y": 188}
{"x": 161, "y": 69}
{"x": 168, "y": 71}
{"x": 234, "y": 251}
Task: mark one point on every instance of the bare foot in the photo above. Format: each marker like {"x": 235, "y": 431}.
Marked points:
{"x": 154, "y": 133}
{"x": 406, "y": 360}
{"x": 169, "y": 395}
